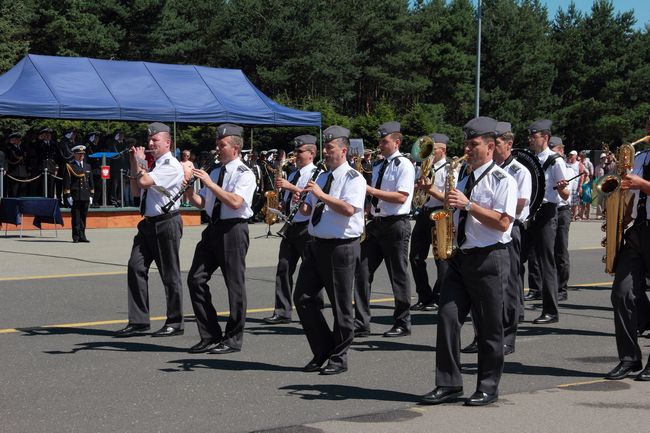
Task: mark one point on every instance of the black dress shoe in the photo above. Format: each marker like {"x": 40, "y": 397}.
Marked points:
{"x": 360, "y": 332}
{"x": 276, "y": 320}
{"x": 562, "y": 296}
{"x": 481, "y": 399}
{"x": 203, "y": 346}
{"x": 168, "y": 331}
{"x": 75, "y": 241}
{"x": 131, "y": 330}
{"x": 545, "y": 319}
{"x": 471, "y": 348}
{"x": 315, "y": 364}
{"x": 331, "y": 369}
{"x": 222, "y": 348}
{"x": 418, "y": 306}
{"x": 430, "y": 307}
{"x": 532, "y": 296}
{"x": 84, "y": 241}
{"x": 508, "y": 350}
{"x": 644, "y": 376}
{"x": 397, "y": 331}
{"x": 623, "y": 369}
{"x": 442, "y": 394}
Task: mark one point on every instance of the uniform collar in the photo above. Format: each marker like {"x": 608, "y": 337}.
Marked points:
{"x": 479, "y": 171}
{"x": 393, "y": 156}
{"x": 439, "y": 163}
{"x": 162, "y": 156}
{"x": 341, "y": 169}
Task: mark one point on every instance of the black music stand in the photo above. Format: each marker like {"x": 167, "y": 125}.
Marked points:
{"x": 268, "y": 227}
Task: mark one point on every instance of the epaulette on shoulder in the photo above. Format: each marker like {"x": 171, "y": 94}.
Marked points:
{"x": 243, "y": 169}
{"x": 514, "y": 168}
{"x": 499, "y": 175}
{"x": 166, "y": 162}
{"x": 353, "y": 173}
{"x": 397, "y": 161}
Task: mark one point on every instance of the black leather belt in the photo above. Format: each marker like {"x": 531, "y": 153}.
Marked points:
{"x": 562, "y": 208}
{"x": 335, "y": 241}
{"x": 389, "y": 219}
{"x": 483, "y": 250}
{"x": 228, "y": 221}
{"x": 431, "y": 209}
{"x": 163, "y": 217}
{"x": 300, "y": 224}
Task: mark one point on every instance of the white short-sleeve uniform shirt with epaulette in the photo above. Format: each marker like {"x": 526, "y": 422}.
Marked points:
{"x": 167, "y": 174}
{"x": 553, "y": 174}
{"x": 496, "y": 191}
{"x": 348, "y": 185}
{"x": 524, "y": 182}
{"x": 399, "y": 175}
{"x": 640, "y": 160}
{"x": 305, "y": 175}
{"x": 239, "y": 179}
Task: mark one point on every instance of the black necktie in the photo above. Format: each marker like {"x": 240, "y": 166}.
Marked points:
{"x": 462, "y": 217}
{"x": 318, "y": 210}
{"x": 287, "y": 202}
{"x": 216, "y": 210}
{"x": 375, "y": 201}
{"x": 143, "y": 200}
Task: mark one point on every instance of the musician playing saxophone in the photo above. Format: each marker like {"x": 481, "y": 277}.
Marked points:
{"x": 428, "y": 297}
{"x": 632, "y": 265}
{"x": 478, "y": 273}
{"x": 293, "y": 244}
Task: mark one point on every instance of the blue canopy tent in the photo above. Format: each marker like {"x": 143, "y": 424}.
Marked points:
{"x": 85, "y": 88}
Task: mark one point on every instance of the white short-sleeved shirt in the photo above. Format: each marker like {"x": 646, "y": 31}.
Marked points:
{"x": 239, "y": 179}
{"x": 167, "y": 174}
{"x": 640, "y": 160}
{"x": 398, "y": 176}
{"x": 496, "y": 191}
{"x": 305, "y": 175}
{"x": 348, "y": 185}
{"x": 553, "y": 174}
{"x": 441, "y": 170}
{"x": 524, "y": 182}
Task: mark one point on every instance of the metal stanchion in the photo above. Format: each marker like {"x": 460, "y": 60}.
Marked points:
{"x": 121, "y": 187}
{"x": 2, "y": 182}
{"x": 45, "y": 182}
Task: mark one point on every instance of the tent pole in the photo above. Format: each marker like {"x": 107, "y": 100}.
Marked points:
{"x": 320, "y": 141}
{"x": 174, "y": 142}
{"x": 251, "y": 139}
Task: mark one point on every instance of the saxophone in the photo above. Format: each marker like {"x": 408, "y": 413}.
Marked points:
{"x": 442, "y": 234}
{"x": 273, "y": 197}
{"x": 617, "y": 203}
{"x": 426, "y": 155}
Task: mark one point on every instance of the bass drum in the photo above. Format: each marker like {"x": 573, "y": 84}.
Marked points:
{"x": 531, "y": 162}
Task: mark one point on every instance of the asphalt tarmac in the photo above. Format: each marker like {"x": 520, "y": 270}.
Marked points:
{"x": 62, "y": 370}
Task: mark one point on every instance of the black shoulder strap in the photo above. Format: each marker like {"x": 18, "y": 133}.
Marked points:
{"x": 550, "y": 161}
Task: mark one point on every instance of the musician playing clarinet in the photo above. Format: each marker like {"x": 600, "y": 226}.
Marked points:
{"x": 293, "y": 243}
{"x": 227, "y": 197}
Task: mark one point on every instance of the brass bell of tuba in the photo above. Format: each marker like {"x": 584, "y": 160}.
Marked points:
{"x": 426, "y": 155}
{"x": 616, "y": 203}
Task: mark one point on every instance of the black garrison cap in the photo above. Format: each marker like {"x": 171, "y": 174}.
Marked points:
{"x": 334, "y": 132}
{"x": 228, "y": 129}
{"x": 540, "y": 125}
{"x": 479, "y": 126}
{"x": 388, "y": 128}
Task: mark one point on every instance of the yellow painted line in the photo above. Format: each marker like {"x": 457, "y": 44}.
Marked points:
{"x": 567, "y": 385}
{"x": 45, "y": 277}
{"x": 153, "y": 319}
{"x": 606, "y": 283}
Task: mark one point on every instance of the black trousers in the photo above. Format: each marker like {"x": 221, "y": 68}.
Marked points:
{"x": 473, "y": 282}
{"x": 328, "y": 264}
{"x": 420, "y": 247}
{"x": 386, "y": 240}
{"x": 542, "y": 271}
{"x": 223, "y": 245}
{"x": 562, "y": 261}
{"x": 291, "y": 249}
{"x": 514, "y": 292}
{"x": 79, "y": 212}
{"x": 159, "y": 242}
{"x": 629, "y": 299}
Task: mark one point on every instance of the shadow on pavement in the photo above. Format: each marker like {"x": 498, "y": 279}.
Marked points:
{"x": 363, "y": 345}
{"x": 225, "y": 364}
{"x": 529, "y": 331}
{"x": 119, "y": 346}
{"x": 535, "y": 370}
{"x": 343, "y": 392}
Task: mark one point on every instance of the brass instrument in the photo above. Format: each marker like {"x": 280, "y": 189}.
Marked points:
{"x": 442, "y": 234}
{"x": 421, "y": 196}
{"x": 273, "y": 197}
{"x": 617, "y": 202}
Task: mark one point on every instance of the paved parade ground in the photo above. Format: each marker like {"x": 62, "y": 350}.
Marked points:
{"x": 62, "y": 370}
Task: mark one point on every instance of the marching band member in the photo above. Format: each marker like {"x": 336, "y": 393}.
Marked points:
{"x": 227, "y": 196}
{"x": 478, "y": 273}
{"x": 387, "y": 234}
{"x": 331, "y": 257}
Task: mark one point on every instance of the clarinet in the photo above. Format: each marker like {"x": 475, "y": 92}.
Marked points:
{"x": 320, "y": 167}
{"x": 205, "y": 167}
